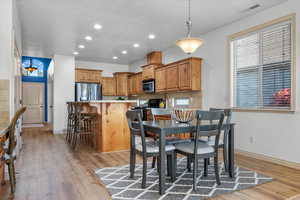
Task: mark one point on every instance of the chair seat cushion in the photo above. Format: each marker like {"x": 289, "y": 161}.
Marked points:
{"x": 203, "y": 148}
{"x": 138, "y": 139}
{"x": 152, "y": 147}
{"x": 211, "y": 140}
{"x": 175, "y": 140}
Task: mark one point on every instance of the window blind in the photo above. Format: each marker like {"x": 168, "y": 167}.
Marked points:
{"x": 261, "y": 64}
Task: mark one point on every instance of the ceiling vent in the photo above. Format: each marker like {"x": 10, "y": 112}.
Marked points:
{"x": 251, "y": 8}
{"x": 254, "y": 7}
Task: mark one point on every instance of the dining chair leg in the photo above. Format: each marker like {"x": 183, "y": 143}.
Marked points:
{"x": 195, "y": 168}
{"x": 216, "y": 165}
{"x": 11, "y": 177}
{"x": 169, "y": 164}
{"x": 153, "y": 161}
{"x": 174, "y": 166}
{"x": 144, "y": 172}
{"x": 188, "y": 164}
{"x": 132, "y": 163}
{"x": 205, "y": 166}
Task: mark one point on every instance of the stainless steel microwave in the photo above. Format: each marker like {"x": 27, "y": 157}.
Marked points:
{"x": 149, "y": 86}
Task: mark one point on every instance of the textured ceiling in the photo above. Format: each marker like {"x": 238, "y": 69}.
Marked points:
{"x": 58, "y": 26}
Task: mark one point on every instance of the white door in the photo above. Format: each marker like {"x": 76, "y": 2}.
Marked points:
{"x": 33, "y": 99}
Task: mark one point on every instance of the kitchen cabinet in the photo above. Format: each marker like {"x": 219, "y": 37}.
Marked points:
{"x": 154, "y": 57}
{"x": 139, "y": 83}
{"x": 109, "y": 86}
{"x": 122, "y": 83}
{"x": 149, "y": 71}
{"x": 160, "y": 79}
{"x": 182, "y": 75}
{"x": 135, "y": 84}
{"x": 189, "y": 74}
{"x": 172, "y": 77}
{"x": 88, "y": 75}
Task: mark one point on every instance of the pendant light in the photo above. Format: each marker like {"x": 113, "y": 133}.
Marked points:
{"x": 31, "y": 68}
{"x": 189, "y": 44}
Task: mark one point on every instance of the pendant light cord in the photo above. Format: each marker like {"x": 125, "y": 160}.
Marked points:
{"x": 189, "y": 20}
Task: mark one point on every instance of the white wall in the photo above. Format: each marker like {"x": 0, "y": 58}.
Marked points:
{"x": 108, "y": 68}
{"x": 276, "y": 135}
{"x": 50, "y": 91}
{"x": 6, "y": 25}
{"x": 63, "y": 90}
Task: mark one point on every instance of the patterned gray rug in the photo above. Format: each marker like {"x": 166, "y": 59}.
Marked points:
{"x": 121, "y": 187}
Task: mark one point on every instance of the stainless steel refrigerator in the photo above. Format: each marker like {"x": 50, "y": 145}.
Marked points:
{"x": 88, "y": 91}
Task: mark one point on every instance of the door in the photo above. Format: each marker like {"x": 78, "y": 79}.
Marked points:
{"x": 160, "y": 80}
{"x": 185, "y": 79}
{"x": 33, "y": 99}
{"x": 172, "y": 77}
{"x": 109, "y": 86}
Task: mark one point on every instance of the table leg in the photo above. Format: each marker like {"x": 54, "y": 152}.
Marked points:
{"x": 231, "y": 151}
{"x": 162, "y": 162}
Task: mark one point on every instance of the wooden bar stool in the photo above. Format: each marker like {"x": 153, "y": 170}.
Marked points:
{"x": 84, "y": 126}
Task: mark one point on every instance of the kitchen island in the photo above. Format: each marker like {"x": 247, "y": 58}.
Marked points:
{"x": 111, "y": 132}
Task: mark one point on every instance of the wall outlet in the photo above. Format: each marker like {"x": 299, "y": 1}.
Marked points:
{"x": 251, "y": 139}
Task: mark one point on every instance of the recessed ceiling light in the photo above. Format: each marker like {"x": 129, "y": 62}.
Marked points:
{"x": 115, "y": 57}
{"x": 81, "y": 46}
{"x": 89, "y": 38}
{"x": 124, "y": 52}
{"x": 151, "y": 36}
{"x": 97, "y": 26}
{"x": 75, "y": 53}
{"x": 136, "y": 45}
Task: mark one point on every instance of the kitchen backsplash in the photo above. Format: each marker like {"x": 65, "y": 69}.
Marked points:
{"x": 177, "y": 99}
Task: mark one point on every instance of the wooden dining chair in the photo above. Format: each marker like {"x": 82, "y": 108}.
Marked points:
{"x": 145, "y": 149}
{"x": 201, "y": 150}
{"x": 10, "y": 154}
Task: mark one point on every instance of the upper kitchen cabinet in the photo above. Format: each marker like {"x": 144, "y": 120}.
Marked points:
{"x": 109, "y": 87}
{"x": 183, "y": 75}
{"x": 135, "y": 84}
{"x": 122, "y": 83}
{"x": 149, "y": 71}
{"x": 189, "y": 74}
{"x": 88, "y": 75}
{"x": 139, "y": 83}
{"x": 172, "y": 77}
{"x": 154, "y": 57}
{"x": 160, "y": 79}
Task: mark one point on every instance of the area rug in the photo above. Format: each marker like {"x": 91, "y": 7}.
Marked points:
{"x": 122, "y": 187}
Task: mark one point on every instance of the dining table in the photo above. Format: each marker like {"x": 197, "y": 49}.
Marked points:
{"x": 164, "y": 128}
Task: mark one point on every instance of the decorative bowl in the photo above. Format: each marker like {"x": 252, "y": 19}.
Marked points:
{"x": 184, "y": 115}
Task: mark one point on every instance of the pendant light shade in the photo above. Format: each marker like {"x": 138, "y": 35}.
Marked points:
{"x": 189, "y": 45}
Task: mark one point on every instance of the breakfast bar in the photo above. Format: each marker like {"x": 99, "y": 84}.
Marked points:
{"x": 111, "y": 131}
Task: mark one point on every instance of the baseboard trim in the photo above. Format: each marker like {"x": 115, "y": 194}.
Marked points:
{"x": 269, "y": 159}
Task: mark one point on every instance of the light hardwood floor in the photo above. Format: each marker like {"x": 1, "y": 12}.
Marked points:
{"x": 48, "y": 170}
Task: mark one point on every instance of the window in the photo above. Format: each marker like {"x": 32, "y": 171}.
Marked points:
{"x": 182, "y": 102}
{"x": 262, "y": 62}
{"x": 26, "y": 61}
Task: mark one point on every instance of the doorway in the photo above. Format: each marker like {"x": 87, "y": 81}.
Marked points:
{"x": 33, "y": 99}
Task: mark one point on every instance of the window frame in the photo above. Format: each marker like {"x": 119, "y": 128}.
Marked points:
{"x": 230, "y": 38}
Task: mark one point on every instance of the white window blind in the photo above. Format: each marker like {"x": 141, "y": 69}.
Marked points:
{"x": 261, "y": 64}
